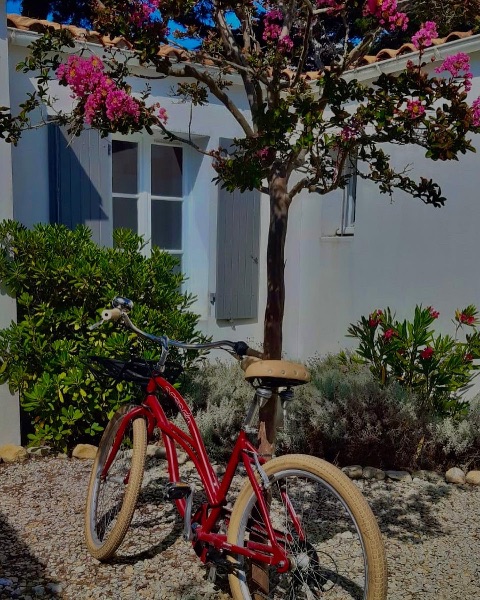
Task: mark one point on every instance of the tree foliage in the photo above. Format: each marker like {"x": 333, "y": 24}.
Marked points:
{"x": 78, "y": 12}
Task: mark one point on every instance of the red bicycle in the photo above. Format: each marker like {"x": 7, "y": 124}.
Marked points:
{"x": 297, "y": 518}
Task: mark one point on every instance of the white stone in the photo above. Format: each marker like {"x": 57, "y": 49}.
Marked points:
{"x": 84, "y": 451}
{"x": 455, "y": 475}
{"x": 373, "y": 473}
{"x": 353, "y": 471}
{"x": 399, "y": 475}
{"x": 473, "y": 477}
{"x": 13, "y": 453}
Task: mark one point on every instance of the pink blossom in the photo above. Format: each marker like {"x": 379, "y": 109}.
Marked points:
{"x": 427, "y": 353}
{"x": 468, "y": 319}
{"x": 272, "y": 29}
{"x": 389, "y": 334}
{"x": 468, "y": 357}
{"x": 142, "y": 11}
{"x": 348, "y": 133}
{"x": 285, "y": 44}
{"x": 263, "y": 153}
{"x": 386, "y": 11}
{"x": 433, "y": 313}
{"x": 415, "y": 109}
{"x": 424, "y": 36}
{"x": 454, "y": 64}
{"x": 162, "y": 114}
{"x": 375, "y": 318}
{"x": 476, "y": 112}
{"x": 100, "y": 95}
{"x": 458, "y": 65}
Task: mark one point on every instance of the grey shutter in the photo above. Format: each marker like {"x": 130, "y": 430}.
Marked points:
{"x": 238, "y": 241}
{"x": 81, "y": 181}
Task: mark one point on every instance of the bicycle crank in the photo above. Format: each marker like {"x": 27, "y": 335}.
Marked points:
{"x": 179, "y": 490}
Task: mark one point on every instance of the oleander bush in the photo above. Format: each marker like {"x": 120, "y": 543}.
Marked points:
{"x": 437, "y": 368}
{"x": 60, "y": 279}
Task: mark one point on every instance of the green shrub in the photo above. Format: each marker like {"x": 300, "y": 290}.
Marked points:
{"x": 343, "y": 415}
{"x": 437, "y": 368}
{"x": 346, "y": 417}
{"x": 61, "y": 279}
{"x": 219, "y": 395}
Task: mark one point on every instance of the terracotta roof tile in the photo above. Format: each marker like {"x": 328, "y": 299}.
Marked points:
{"x": 40, "y": 26}
{"x": 176, "y": 54}
{"x": 408, "y": 48}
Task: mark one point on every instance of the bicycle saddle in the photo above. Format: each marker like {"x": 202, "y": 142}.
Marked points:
{"x": 275, "y": 373}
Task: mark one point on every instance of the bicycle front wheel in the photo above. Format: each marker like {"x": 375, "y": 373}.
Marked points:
{"x": 330, "y": 534}
{"x": 112, "y": 497}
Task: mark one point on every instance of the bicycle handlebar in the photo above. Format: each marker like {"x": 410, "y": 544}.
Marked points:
{"x": 120, "y": 312}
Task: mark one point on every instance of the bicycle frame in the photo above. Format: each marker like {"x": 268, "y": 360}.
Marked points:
{"x": 269, "y": 548}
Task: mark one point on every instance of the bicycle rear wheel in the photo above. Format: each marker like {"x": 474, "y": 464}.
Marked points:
{"x": 337, "y": 555}
{"x": 111, "y": 499}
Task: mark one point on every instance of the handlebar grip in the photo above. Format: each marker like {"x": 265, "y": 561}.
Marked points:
{"x": 242, "y": 349}
{"x": 111, "y": 315}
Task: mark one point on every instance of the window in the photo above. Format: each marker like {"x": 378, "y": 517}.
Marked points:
{"x": 349, "y": 198}
{"x": 147, "y": 186}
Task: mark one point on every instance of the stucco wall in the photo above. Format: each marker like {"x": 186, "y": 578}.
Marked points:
{"x": 402, "y": 252}
{"x": 9, "y": 411}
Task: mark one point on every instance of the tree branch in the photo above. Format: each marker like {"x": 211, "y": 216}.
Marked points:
{"x": 191, "y": 71}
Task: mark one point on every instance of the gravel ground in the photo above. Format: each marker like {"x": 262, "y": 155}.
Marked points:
{"x": 431, "y": 531}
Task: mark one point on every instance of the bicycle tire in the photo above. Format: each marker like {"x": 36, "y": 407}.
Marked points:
{"x": 312, "y": 563}
{"x": 105, "y": 528}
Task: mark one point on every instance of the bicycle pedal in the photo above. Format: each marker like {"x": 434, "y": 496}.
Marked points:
{"x": 177, "y": 490}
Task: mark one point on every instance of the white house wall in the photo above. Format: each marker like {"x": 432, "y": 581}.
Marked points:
{"x": 30, "y": 156}
{"x": 402, "y": 252}
{"x": 9, "y": 409}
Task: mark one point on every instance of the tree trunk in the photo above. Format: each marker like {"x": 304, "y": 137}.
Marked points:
{"x": 272, "y": 343}
{"x": 279, "y": 205}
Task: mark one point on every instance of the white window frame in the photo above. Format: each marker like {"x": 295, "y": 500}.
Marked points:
{"x": 349, "y": 200}
{"x": 145, "y": 197}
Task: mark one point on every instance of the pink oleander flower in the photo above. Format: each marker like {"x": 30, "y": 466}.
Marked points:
{"x": 389, "y": 334}
{"x": 476, "y": 112}
{"x": 433, "y": 313}
{"x": 427, "y": 353}
{"x": 467, "y": 319}
{"x": 375, "y": 318}
{"x": 468, "y": 357}
{"x": 415, "y": 109}
{"x": 424, "y": 36}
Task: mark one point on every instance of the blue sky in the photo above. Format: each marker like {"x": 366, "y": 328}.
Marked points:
{"x": 13, "y": 6}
